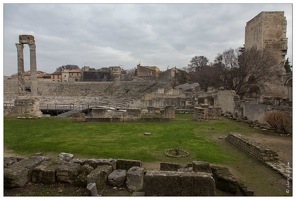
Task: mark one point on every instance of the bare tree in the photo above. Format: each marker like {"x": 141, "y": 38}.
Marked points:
{"x": 247, "y": 70}
{"x": 207, "y": 76}
{"x": 197, "y": 63}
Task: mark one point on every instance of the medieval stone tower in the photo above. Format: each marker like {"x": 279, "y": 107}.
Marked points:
{"x": 268, "y": 31}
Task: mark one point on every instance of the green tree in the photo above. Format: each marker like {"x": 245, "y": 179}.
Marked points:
{"x": 287, "y": 66}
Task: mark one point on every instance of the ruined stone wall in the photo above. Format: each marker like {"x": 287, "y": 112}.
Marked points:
{"x": 225, "y": 99}
{"x": 96, "y": 174}
{"x": 104, "y": 93}
{"x": 255, "y": 111}
{"x": 252, "y": 148}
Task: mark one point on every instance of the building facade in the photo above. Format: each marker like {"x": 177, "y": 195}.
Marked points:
{"x": 147, "y": 72}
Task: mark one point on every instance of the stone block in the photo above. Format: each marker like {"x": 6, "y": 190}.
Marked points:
{"x": 45, "y": 172}
{"x": 11, "y": 160}
{"x": 168, "y": 183}
{"x": 117, "y": 177}
{"x": 81, "y": 179}
{"x": 135, "y": 179}
{"x": 99, "y": 162}
{"x": 168, "y": 112}
{"x": 66, "y": 156}
{"x": 225, "y": 181}
{"x": 15, "y": 179}
{"x": 92, "y": 189}
{"x": 18, "y": 174}
{"x": 245, "y": 190}
{"x": 78, "y": 117}
{"x": 100, "y": 176}
{"x": 169, "y": 167}
{"x": 201, "y": 166}
{"x": 127, "y": 164}
{"x": 78, "y": 161}
{"x": 67, "y": 172}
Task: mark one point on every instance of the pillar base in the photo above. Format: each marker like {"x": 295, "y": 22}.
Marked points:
{"x": 26, "y": 106}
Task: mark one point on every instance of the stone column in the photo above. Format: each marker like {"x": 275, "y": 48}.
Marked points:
{"x": 33, "y": 69}
{"x": 169, "y": 112}
{"x": 20, "y": 69}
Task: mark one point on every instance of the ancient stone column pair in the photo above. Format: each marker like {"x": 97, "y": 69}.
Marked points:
{"x": 24, "y": 39}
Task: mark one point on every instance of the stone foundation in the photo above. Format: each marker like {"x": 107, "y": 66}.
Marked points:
{"x": 26, "y": 106}
{"x": 194, "y": 179}
{"x": 260, "y": 152}
{"x": 254, "y": 149}
{"x": 169, "y": 183}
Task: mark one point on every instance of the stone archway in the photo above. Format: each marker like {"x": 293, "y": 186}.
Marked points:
{"x": 26, "y": 39}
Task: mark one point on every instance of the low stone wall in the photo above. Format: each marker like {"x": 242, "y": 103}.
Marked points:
{"x": 260, "y": 152}
{"x": 170, "y": 183}
{"x": 97, "y": 119}
{"x": 195, "y": 179}
{"x": 254, "y": 149}
{"x": 206, "y": 112}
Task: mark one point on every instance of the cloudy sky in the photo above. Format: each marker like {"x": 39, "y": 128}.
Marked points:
{"x": 102, "y": 35}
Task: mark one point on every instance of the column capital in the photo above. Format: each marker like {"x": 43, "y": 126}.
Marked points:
{"x": 32, "y": 47}
{"x": 19, "y": 46}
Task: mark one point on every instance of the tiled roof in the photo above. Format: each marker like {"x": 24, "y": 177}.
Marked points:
{"x": 75, "y": 71}
{"x": 57, "y": 73}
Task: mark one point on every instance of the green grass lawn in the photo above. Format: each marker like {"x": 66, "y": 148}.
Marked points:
{"x": 52, "y": 136}
{"x": 118, "y": 140}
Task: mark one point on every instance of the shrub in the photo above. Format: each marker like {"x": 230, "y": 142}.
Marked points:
{"x": 280, "y": 121}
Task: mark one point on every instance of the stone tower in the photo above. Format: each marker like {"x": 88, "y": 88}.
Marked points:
{"x": 268, "y": 31}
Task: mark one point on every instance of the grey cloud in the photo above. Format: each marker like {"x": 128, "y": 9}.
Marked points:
{"x": 103, "y": 35}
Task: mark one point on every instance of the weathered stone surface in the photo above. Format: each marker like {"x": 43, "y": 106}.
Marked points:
{"x": 201, "y": 166}
{"x": 166, "y": 183}
{"x": 11, "y": 160}
{"x": 169, "y": 167}
{"x": 245, "y": 190}
{"x": 127, "y": 164}
{"x": 67, "y": 172}
{"x": 225, "y": 181}
{"x": 45, "y": 172}
{"x": 78, "y": 161}
{"x": 251, "y": 147}
{"x": 117, "y": 178}
{"x": 135, "y": 179}
{"x": 81, "y": 179}
{"x": 99, "y": 162}
{"x": 92, "y": 188}
{"x": 66, "y": 156}
{"x": 15, "y": 178}
{"x": 26, "y": 106}
{"x": 100, "y": 176}
{"x": 168, "y": 112}
{"x": 18, "y": 174}
{"x": 78, "y": 117}
{"x": 148, "y": 133}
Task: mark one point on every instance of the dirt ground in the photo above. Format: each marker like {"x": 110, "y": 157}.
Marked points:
{"x": 281, "y": 144}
